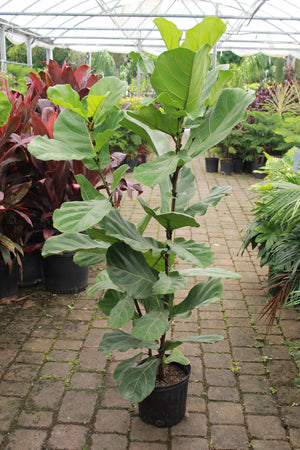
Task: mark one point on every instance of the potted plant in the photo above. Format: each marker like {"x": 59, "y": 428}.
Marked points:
{"x": 140, "y": 278}
{"x": 212, "y": 161}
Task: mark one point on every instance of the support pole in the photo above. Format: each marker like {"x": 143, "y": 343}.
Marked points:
{"x": 29, "y": 53}
{"x": 215, "y": 48}
{"x": 89, "y": 59}
{"x": 3, "y": 49}
{"x": 49, "y": 54}
{"x": 139, "y": 73}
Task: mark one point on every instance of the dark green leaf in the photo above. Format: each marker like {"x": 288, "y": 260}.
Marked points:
{"x": 129, "y": 270}
{"x": 212, "y": 199}
{"x": 201, "y": 294}
{"x": 122, "y": 312}
{"x": 138, "y": 382}
{"x": 156, "y": 171}
{"x": 168, "y": 284}
{"x": 122, "y": 341}
{"x": 102, "y": 282}
{"x": 152, "y": 325}
{"x": 198, "y": 254}
{"x": 71, "y": 242}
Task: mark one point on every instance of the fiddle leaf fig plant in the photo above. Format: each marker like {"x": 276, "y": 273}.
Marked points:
{"x": 140, "y": 279}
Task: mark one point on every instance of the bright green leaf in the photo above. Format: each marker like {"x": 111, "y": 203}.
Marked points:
{"x": 168, "y": 284}
{"x": 122, "y": 312}
{"x": 64, "y": 95}
{"x": 208, "y": 31}
{"x": 156, "y": 171}
{"x": 196, "y": 253}
{"x": 122, "y": 341}
{"x": 169, "y": 32}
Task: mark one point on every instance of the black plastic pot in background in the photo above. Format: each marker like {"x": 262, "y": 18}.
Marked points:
{"x": 237, "y": 165}
{"x": 9, "y": 280}
{"x": 212, "y": 164}
{"x": 63, "y": 276}
{"x": 166, "y": 405}
{"x": 33, "y": 273}
{"x": 258, "y": 175}
{"x": 226, "y": 166}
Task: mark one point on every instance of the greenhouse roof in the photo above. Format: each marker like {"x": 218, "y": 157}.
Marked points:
{"x": 253, "y": 26}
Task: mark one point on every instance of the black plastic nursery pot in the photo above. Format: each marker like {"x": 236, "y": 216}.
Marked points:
{"x": 63, "y": 276}
{"x": 237, "y": 165}
{"x": 226, "y": 167}
{"x": 258, "y": 175}
{"x": 211, "y": 164}
{"x": 9, "y": 280}
{"x": 33, "y": 273}
{"x": 166, "y": 405}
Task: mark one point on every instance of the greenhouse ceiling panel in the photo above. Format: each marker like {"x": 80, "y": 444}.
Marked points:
{"x": 268, "y": 26}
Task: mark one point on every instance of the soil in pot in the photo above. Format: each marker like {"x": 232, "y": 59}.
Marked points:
{"x": 63, "y": 276}
{"x": 212, "y": 165}
{"x": 9, "y": 280}
{"x": 166, "y": 405}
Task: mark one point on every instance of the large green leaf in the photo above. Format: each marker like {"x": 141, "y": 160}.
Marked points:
{"x": 204, "y": 339}
{"x": 156, "y": 171}
{"x": 112, "y": 88}
{"x": 102, "y": 282}
{"x": 201, "y": 294}
{"x": 125, "y": 365}
{"x": 129, "y": 270}
{"x": 210, "y": 272}
{"x": 196, "y": 253}
{"x": 122, "y": 312}
{"x": 158, "y": 140}
{"x": 176, "y": 356}
{"x": 88, "y": 191}
{"x": 86, "y": 258}
{"x": 122, "y": 341}
{"x": 5, "y": 107}
{"x": 172, "y": 220}
{"x": 186, "y": 188}
{"x": 168, "y": 284}
{"x": 156, "y": 119}
{"x": 138, "y": 382}
{"x": 229, "y": 110}
{"x": 145, "y": 62}
{"x": 212, "y": 199}
{"x": 118, "y": 174}
{"x": 208, "y": 31}
{"x": 123, "y": 229}
{"x": 151, "y": 325}
{"x": 64, "y": 95}
{"x": 71, "y": 141}
{"x": 169, "y": 32}
{"x": 79, "y": 216}
{"x": 109, "y": 301}
{"x": 181, "y": 74}
{"x": 223, "y": 78}
{"x": 71, "y": 242}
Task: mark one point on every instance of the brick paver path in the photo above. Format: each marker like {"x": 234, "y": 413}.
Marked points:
{"x": 56, "y": 389}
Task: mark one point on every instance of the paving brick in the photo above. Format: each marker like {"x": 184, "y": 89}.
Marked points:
{"x": 91, "y": 359}
{"x": 265, "y": 427}
{"x": 295, "y": 436}
{"x": 253, "y": 383}
{"x": 67, "y": 344}
{"x": 30, "y": 357}
{"x": 74, "y": 330}
{"x": 241, "y": 337}
{"x": 270, "y": 445}
{"x": 246, "y": 354}
{"x": 94, "y": 337}
{"x": 260, "y": 404}
{"x": 56, "y": 369}
{"x": 195, "y": 404}
{"x": 141, "y": 431}
{"x": 9, "y": 407}
{"x": 225, "y": 413}
{"x": 35, "y": 419}
{"x": 26, "y": 440}
{"x": 112, "y": 421}
{"x": 216, "y": 360}
{"x": 63, "y": 355}
{"x": 111, "y": 398}
{"x": 38, "y": 345}
{"x": 67, "y": 437}
{"x": 192, "y": 425}
{"x": 219, "y": 377}
{"x": 223, "y": 393}
{"x": 77, "y": 406}
{"x": 86, "y": 380}
{"x": 109, "y": 442}
{"x": 46, "y": 394}
{"x": 229, "y": 437}
{"x": 14, "y": 388}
